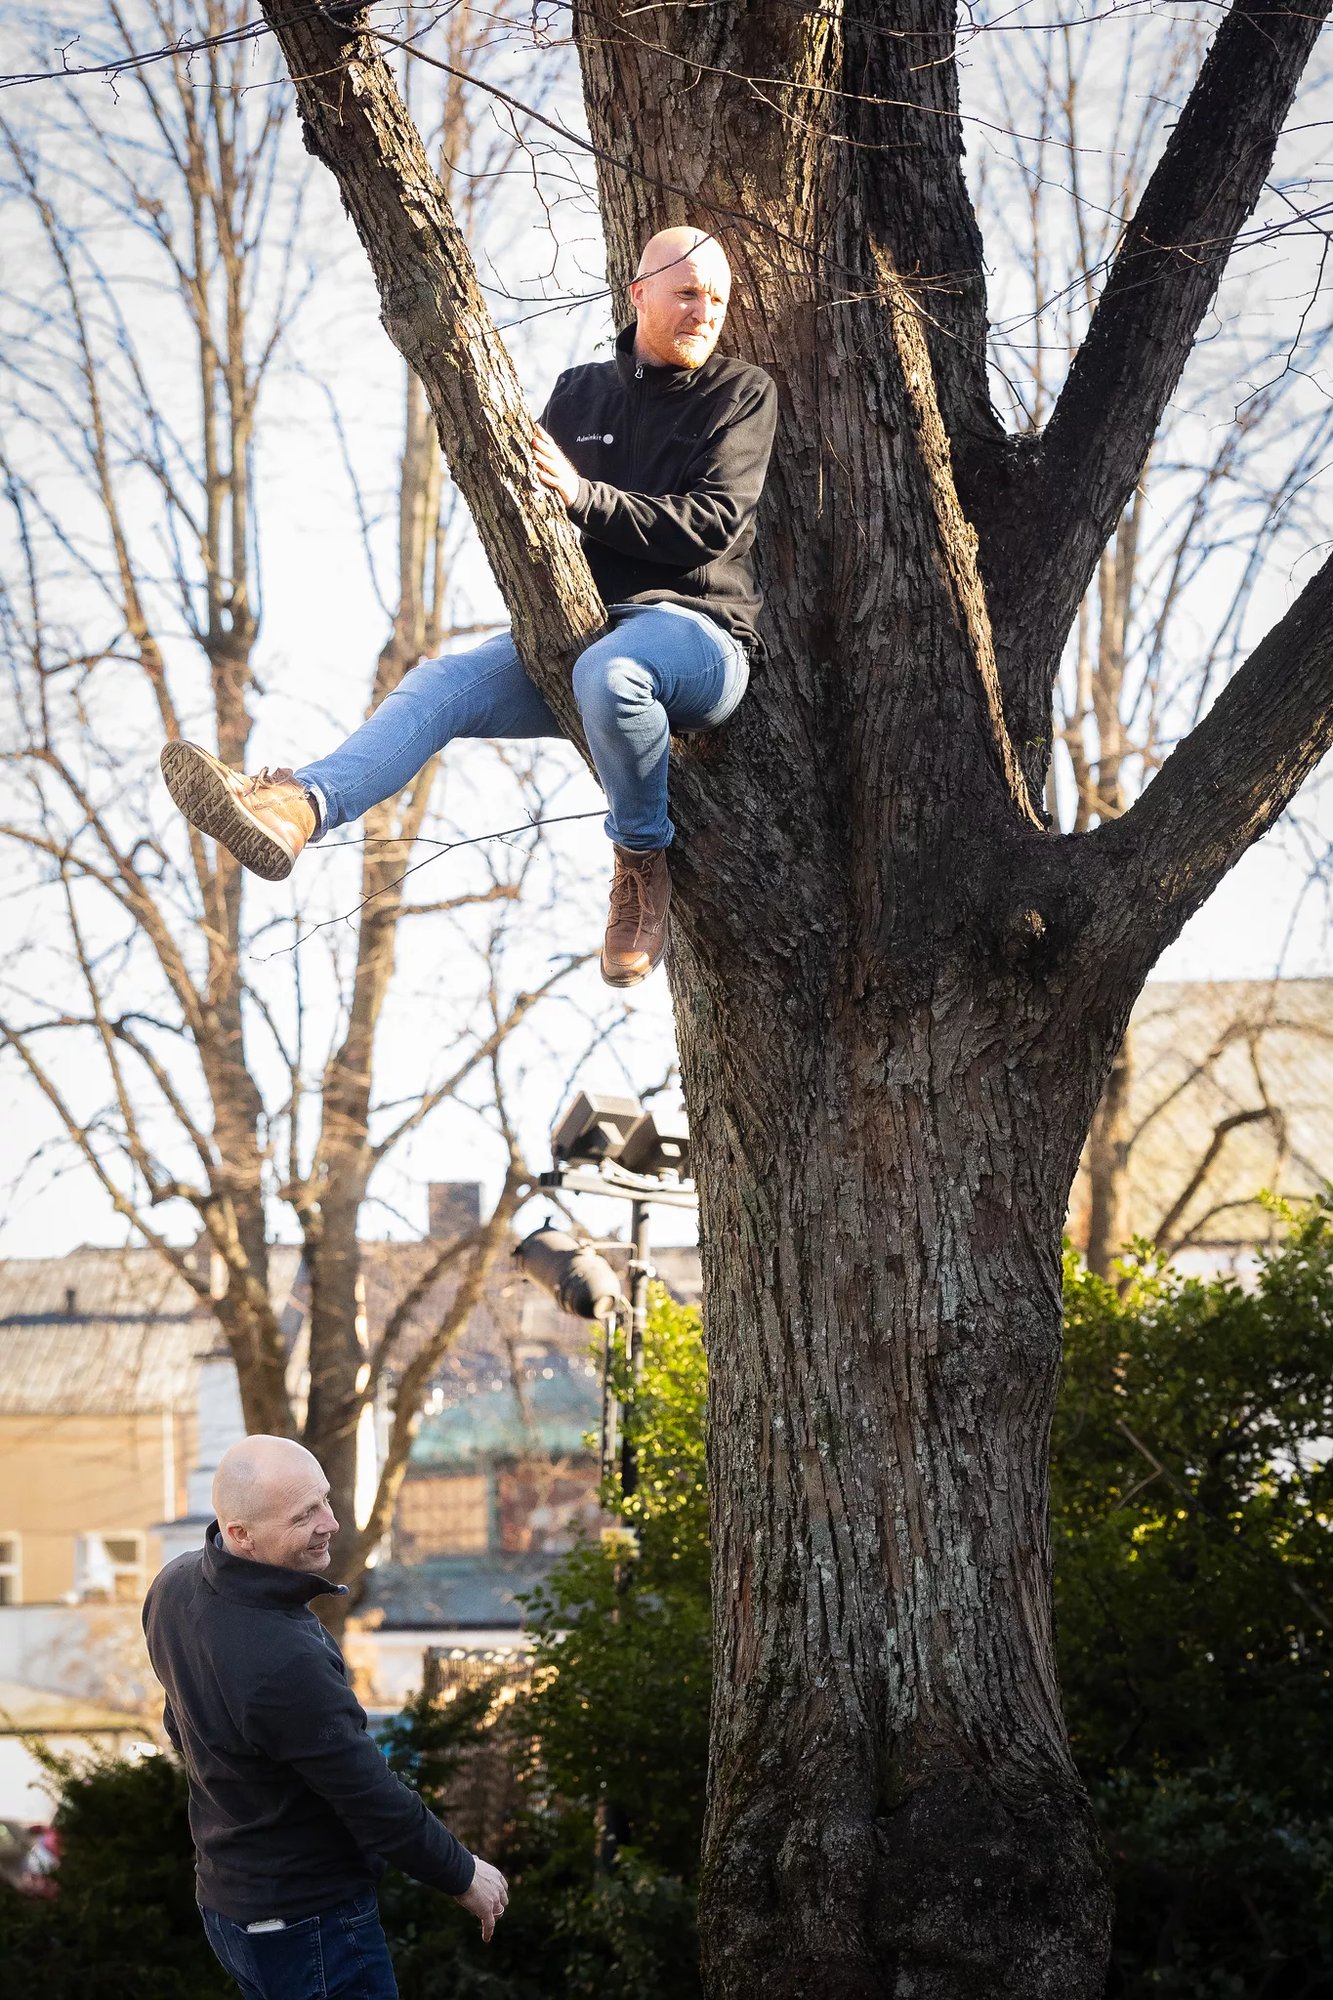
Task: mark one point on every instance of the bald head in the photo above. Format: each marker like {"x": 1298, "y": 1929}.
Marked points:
{"x": 272, "y": 1503}
{"x": 671, "y": 247}
{"x": 680, "y": 295}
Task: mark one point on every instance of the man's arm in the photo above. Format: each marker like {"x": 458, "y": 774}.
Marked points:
{"x": 305, "y": 1715}
{"x": 684, "y": 530}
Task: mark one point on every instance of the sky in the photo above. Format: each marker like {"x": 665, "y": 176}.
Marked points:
{"x": 324, "y": 538}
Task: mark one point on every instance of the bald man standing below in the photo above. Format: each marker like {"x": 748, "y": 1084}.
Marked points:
{"x": 293, "y": 1810}
{"x": 659, "y": 455}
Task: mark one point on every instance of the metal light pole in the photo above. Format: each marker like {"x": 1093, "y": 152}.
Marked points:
{"x": 640, "y": 1271}
{"x": 611, "y": 1146}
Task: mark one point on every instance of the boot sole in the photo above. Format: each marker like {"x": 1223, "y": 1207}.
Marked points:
{"x": 200, "y": 791}
{"x": 621, "y": 980}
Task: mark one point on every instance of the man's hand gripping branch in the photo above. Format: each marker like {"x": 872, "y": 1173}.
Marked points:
{"x": 553, "y": 468}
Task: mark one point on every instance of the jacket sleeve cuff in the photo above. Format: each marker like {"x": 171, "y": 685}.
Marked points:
{"x": 581, "y": 505}
{"x": 461, "y": 1874}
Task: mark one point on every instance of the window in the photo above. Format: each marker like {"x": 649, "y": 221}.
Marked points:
{"x": 545, "y": 1510}
{"x": 443, "y": 1516}
{"x": 11, "y": 1570}
{"x": 109, "y": 1568}
{"x": 125, "y": 1555}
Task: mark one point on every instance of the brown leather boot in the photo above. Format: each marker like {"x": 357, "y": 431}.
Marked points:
{"x": 636, "y": 929}
{"x": 264, "y": 821}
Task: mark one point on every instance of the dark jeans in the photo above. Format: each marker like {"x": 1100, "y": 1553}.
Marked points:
{"x": 338, "y": 1955}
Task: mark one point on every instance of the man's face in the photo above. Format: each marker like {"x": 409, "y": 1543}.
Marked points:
{"x": 681, "y": 309}
{"x": 292, "y": 1524}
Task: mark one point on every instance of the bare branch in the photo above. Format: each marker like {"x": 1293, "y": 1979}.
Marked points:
{"x": 1069, "y": 496}
{"x": 1230, "y": 778}
{"x": 1261, "y": 1114}
{"x": 83, "y": 1137}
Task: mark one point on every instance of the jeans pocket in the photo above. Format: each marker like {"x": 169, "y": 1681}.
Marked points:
{"x": 289, "y": 1964}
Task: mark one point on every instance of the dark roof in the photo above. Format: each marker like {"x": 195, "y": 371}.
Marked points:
{"x": 117, "y": 1330}
{"x": 93, "y": 1284}
{"x": 471, "y": 1591}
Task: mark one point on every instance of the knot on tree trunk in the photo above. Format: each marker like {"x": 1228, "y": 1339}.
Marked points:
{"x": 1024, "y": 929}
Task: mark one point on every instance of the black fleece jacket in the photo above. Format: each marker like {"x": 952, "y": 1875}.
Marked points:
{"x": 671, "y": 464}
{"x": 292, "y": 1806}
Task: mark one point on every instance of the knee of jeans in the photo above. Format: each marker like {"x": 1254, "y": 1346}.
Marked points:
{"x": 614, "y": 685}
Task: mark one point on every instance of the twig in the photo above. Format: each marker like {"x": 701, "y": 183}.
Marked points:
{"x": 441, "y": 848}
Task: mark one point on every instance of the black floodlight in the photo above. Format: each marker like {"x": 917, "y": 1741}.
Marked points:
{"x": 594, "y": 1127}
{"x": 578, "y": 1279}
{"x": 658, "y": 1144}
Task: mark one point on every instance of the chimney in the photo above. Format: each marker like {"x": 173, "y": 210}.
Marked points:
{"x": 454, "y": 1208}
{"x": 71, "y": 1300}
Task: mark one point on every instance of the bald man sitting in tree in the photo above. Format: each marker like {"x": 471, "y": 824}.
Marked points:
{"x": 293, "y": 1809}
{"x": 659, "y": 455}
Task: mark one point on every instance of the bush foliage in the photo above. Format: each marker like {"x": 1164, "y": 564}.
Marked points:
{"x": 1191, "y": 1498}
{"x": 1191, "y": 1494}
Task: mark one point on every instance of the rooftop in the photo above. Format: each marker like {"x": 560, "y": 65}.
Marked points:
{"x": 546, "y": 1406}
{"x": 458, "y": 1592}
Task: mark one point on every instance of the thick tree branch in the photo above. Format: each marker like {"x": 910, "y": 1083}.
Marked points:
{"x": 354, "y": 120}
{"x": 957, "y": 538}
{"x": 1160, "y": 285}
{"x": 1230, "y": 778}
{"x": 902, "y": 112}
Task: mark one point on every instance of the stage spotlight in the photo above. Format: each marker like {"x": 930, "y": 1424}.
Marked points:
{"x": 594, "y": 1127}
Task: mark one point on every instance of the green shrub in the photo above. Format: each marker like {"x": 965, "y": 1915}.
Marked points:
{"x": 1191, "y": 1501}
{"x": 124, "y": 1922}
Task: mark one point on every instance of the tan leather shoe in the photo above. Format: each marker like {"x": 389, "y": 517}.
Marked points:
{"x": 636, "y": 929}
{"x": 264, "y": 821}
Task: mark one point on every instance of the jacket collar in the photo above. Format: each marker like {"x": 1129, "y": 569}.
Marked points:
{"x": 263, "y": 1584}
{"x": 658, "y": 381}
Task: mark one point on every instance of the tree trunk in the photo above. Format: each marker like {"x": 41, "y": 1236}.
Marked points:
{"x": 330, "y": 1202}
{"x": 893, "y": 1808}
{"x": 887, "y": 1106}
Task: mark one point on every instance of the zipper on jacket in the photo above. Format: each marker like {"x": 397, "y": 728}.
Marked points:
{"x": 636, "y": 423}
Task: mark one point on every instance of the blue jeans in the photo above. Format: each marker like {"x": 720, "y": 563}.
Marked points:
{"x": 338, "y": 1955}
{"x": 660, "y": 668}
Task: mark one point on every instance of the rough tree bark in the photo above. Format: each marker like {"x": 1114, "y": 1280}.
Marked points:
{"x": 898, "y": 995}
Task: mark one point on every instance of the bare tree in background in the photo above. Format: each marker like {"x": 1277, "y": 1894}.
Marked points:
{"x": 173, "y": 1038}
{"x": 1165, "y": 621}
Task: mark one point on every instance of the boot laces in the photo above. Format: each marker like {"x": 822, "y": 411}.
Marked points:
{"x": 267, "y": 776}
{"x": 629, "y": 888}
